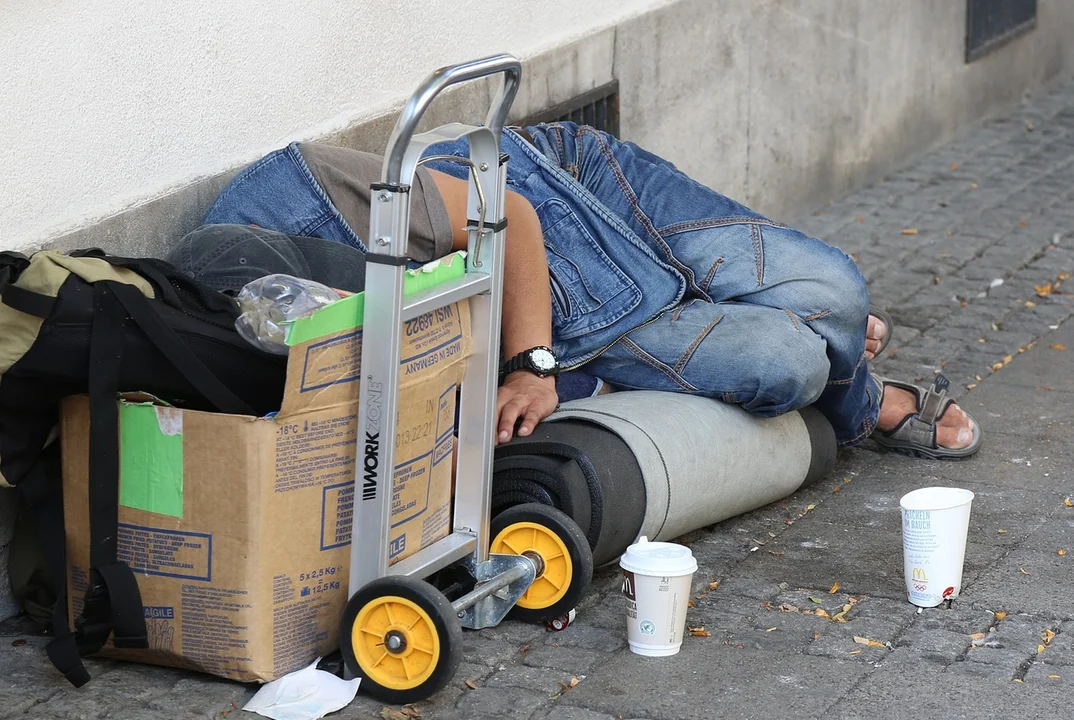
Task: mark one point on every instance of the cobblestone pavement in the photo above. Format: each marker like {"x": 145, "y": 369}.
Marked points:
{"x": 970, "y": 247}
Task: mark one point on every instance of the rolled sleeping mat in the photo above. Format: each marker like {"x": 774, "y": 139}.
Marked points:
{"x": 659, "y": 464}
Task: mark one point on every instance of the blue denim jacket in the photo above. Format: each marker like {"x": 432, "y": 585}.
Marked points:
{"x": 605, "y": 280}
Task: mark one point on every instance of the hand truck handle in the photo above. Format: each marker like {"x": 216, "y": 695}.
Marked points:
{"x": 444, "y": 77}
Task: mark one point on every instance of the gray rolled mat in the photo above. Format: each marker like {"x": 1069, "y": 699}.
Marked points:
{"x": 704, "y": 461}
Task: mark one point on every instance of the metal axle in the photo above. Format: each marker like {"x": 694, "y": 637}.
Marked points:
{"x": 483, "y": 590}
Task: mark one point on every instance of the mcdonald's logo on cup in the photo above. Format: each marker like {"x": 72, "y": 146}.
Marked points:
{"x": 920, "y": 579}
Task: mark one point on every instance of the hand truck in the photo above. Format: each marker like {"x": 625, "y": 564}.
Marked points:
{"x": 400, "y": 634}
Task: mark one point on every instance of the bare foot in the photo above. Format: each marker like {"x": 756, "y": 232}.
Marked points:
{"x": 874, "y": 333}
{"x": 954, "y": 430}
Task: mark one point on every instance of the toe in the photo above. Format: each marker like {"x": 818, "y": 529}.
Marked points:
{"x": 955, "y": 429}
{"x": 877, "y": 329}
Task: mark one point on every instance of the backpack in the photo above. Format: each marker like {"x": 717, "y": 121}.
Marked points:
{"x": 87, "y": 322}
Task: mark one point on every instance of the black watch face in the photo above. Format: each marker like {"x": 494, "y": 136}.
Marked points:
{"x": 543, "y": 360}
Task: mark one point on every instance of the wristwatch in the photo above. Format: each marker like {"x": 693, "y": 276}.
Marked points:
{"x": 540, "y": 360}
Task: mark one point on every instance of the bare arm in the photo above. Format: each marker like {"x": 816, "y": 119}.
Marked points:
{"x": 527, "y": 304}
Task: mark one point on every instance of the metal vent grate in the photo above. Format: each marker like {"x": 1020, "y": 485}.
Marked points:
{"x": 599, "y": 108}
{"x": 990, "y": 23}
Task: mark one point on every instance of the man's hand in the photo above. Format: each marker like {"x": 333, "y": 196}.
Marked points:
{"x": 526, "y": 397}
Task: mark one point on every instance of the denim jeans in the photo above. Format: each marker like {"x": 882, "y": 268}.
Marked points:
{"x": 752, "y": 312}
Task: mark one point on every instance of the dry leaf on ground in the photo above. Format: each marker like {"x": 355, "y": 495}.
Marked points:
{"x": 787, "y": 607}
{"x": 1068, "y": 502}
{"x": 1057, "y": 346}
{"x": 471, "y": 684}
{"x": 1000, "y": 615}
{"x": 909, "y": 231}
{"x": 1060, "y": 552}
{"x": 777, "y": 553}
{"x": 714, "y": 584}
{"x": 977, "y": 636}
{"x": 866, "y": 641}
{"x": 1053, "y": 677}
{"x": 835, "y": 588}
{"x": 855, "y": 652}
{"x": 699, "y": 632}
{"x": 1023, "y": 571}
{"x": 821, "y": 612}
{"x": 771, "y": 629}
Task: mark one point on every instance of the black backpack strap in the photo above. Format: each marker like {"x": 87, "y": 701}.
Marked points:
{"x": 43, "y": 494}
{"x": 25, "y": 301}
{"x": 113, "y": 603}
{"x": 17, "y": 298}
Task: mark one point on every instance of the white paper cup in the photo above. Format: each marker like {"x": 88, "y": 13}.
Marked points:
{"x": 656, "y": 581}
{"x": 935, "y": 521}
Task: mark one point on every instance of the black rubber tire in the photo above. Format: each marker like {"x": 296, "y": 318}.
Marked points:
{"x": 560, "y": 524}
{"x": 444, "y": 620}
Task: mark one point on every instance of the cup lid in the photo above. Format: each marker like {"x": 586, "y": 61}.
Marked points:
{"x": 661, "y": 559}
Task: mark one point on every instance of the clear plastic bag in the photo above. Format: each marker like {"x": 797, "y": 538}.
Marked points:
{"x": 270, "y": 302}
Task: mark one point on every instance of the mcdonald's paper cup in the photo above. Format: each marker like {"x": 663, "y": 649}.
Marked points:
{"x": 935, "y": 521}
{"x": 656, "y": 581}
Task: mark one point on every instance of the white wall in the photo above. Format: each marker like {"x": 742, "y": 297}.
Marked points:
{"x": 105, "y": 104}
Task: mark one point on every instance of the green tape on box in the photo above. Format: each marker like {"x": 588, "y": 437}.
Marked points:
{"x": 151, "y": 458}
{"x": 347, "y": 314}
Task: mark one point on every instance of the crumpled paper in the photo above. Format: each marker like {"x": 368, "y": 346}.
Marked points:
{"x": 306, "y": 694}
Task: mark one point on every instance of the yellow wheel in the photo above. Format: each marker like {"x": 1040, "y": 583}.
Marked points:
{"x": 559, "y": 549}
{"x": 402, "y": 637}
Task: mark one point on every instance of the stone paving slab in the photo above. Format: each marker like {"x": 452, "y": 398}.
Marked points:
{"x": 971, "y": 247}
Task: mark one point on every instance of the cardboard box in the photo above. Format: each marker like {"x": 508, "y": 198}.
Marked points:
{"x": 238, "y": 529}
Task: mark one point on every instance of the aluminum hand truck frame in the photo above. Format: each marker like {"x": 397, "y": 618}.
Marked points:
{"x": 399, "y": 633}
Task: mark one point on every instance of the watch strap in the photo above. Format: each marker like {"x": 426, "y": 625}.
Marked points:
{"x": 521, "y": 361}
